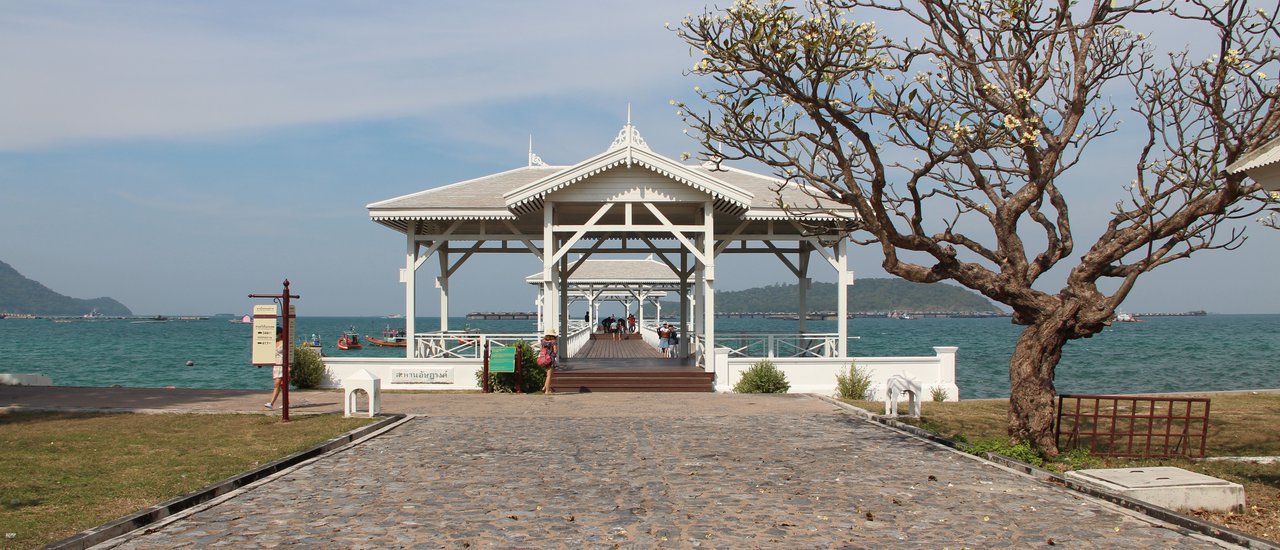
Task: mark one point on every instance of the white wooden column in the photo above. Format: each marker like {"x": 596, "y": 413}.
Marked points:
{"x": 644, "y": 294}
{"x": 709, "y": 279}
{"x": 550, "y": 317}
{"x": 699, "y": 305}
{"x": 804, "y": 283}
{"x": 845, "y": 277}
{"x": 562, "y": 304}
{"x": 442, "y": 282}
{"x": 682, "y": 324}
{"x": 410, "y": 276}
{"x": 538, "y": 302}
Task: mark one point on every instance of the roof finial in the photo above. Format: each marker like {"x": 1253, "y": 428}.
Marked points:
{"x": 534, "y": 160}
{"x": 629, "y": 136}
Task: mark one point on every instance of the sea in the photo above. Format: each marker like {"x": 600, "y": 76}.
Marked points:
{"x": 1161, "y": 354}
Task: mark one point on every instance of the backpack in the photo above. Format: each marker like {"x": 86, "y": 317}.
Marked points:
{"x": 544, "y": 357}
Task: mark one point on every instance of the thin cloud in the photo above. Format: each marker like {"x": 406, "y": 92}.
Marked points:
{"x": 80, "y": 72}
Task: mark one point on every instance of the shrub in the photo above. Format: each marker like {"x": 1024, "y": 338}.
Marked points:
{"x": 505, "y": 382}
{"x": 1021, "y": 452}
{"x": 939, "y": 394}
{"x": 306, "y": 369}
{"x": 855, "y": 385}
{"x": 762, "y": 377}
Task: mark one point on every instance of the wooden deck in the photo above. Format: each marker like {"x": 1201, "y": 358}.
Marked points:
{"x": 604, "y": 364}
{"x": 601, "y": 347}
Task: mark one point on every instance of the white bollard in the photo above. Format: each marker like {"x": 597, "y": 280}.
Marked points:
{"x": 370, "y": 384}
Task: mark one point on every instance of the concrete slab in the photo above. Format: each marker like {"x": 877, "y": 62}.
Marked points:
{"x": 1166, "y": 486}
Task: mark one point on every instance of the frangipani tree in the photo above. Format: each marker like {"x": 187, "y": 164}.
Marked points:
{"x": 954, "y": 145}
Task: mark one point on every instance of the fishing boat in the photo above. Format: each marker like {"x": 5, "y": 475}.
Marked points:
{"x": 391, "y": 338}
{"x": 350, "y": 339}
{"x": 1122, "y": 317}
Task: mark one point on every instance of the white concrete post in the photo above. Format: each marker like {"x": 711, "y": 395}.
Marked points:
{"x": 720, "y": 366}
{"x": 947, "y": 370}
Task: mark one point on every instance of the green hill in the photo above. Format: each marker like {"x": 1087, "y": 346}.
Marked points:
{"x": 867, "y": 295}
{"x": 19, "y": 294}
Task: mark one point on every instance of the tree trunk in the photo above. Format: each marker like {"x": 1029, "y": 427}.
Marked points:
{"x": 1031, "y": 392}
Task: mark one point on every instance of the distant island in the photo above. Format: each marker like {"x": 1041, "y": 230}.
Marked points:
{"x": 22, "y": 296}
{"x": 881, "y": 296}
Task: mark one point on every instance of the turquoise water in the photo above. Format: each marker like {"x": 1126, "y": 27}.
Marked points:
{"x": 1163, "y": 354}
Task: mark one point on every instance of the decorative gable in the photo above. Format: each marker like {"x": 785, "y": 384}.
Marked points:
{"x": 629, "y": 150}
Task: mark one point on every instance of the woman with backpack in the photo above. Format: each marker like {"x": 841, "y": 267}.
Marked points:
{"x": 548, "y": 358}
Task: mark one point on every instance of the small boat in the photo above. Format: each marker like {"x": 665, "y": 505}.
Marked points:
{"x": 243, "y": 320}
{"x": 391, "y": 338}
{"x": 1122, "y": 317}
{"x": 350, "y": 339}
{"x": 313, "y": 342}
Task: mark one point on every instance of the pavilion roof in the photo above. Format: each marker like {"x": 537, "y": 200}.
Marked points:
{"x": 1262, "y": 164}
{"x": 509, "y": 195}
{"x": 1263, "y": 156}
{"x": 620, "y": 271}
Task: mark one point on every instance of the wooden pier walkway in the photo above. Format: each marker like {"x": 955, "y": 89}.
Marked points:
{"x": 629, "y": 364}
{"x": 606, "y": 348}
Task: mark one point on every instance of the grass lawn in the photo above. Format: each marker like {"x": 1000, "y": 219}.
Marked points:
{"x": 62, "y": 473}
{"x": 1240, "y": 424}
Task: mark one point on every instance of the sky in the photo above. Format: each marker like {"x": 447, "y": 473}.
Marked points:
{"x": 180, "y": 155}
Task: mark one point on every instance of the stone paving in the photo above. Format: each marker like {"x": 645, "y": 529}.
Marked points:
{"x": 651, "y": 470}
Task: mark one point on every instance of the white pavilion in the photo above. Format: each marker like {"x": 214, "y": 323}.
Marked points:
{"x": 627, "y": 201}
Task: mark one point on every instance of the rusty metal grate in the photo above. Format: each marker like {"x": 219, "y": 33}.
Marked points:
{"x": 1126, "y": 426}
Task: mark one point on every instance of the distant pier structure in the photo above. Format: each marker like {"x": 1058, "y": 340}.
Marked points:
{"x": 502, "y": 315}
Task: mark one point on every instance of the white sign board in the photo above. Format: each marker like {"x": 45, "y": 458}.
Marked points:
{"x": 264, "y": 334}
{"x": 422, "y": 375}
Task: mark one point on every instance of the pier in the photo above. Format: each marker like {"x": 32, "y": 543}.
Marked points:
{"x": 502, "y": 315}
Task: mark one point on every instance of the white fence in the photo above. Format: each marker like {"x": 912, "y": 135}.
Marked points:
{"x": 450, "y": 361}
{"x": 818, "y": 374}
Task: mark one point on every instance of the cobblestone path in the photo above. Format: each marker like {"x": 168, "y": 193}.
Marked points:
{"x": 813, "y": 478}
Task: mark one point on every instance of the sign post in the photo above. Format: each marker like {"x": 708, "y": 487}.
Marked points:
{"x": 503, "y": 359}
{"x": 264, "y": 344}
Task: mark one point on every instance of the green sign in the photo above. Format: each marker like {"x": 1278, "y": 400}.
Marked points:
{"x": 502, "y": 359}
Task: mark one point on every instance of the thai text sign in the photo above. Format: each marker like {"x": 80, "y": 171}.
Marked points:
{"x": 264, "y": 334}
{"x": 422, "y": 375}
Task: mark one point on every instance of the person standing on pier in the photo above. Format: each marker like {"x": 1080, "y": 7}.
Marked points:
{"x": 549, "y": 358}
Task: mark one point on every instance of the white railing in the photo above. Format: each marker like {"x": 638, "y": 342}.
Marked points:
{"x": 579, "y": 335}
{"x": 810, "y": 344}
{"x": 463, "y": 345}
